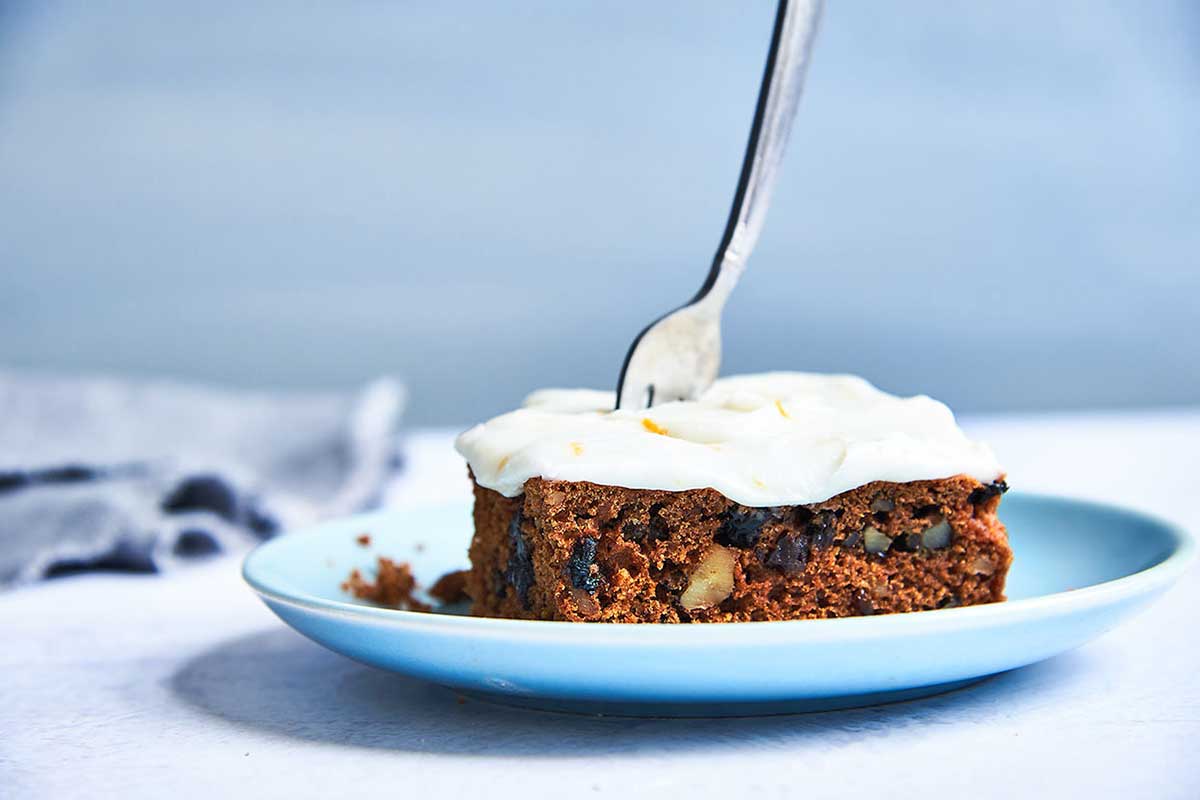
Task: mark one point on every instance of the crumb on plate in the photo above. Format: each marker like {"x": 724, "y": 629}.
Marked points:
{"x": 451, "y": 587}
{"x": 393, "y": 586}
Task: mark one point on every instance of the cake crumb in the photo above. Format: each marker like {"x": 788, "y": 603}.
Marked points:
{"x": 393, "y": 587}
{"x": 364, "y": 539}
{"x": 451, "y": 587}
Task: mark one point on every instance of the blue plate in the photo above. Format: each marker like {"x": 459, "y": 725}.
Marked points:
{"x": 1080, "y": 569}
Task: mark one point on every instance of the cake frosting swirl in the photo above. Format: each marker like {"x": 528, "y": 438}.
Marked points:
{"x": 779, "y": 438}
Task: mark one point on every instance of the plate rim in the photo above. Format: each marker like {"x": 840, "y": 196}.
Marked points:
{"x": 1145, "y": 581}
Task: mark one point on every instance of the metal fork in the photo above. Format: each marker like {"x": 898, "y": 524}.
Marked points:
{"x": 677, "y": 356}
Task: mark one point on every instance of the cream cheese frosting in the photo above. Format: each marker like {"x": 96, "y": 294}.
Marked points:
{"x": 779, "y": 438}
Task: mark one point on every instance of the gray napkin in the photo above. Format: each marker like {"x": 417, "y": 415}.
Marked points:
{"x": 97, "y": 473}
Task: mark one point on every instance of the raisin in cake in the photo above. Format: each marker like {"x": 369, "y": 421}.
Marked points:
{"x": 771, "y": 497}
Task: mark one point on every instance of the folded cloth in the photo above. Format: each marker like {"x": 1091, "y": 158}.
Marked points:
{"x": 97, "y": 473}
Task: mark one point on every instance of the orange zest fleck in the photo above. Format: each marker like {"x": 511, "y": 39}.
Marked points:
{"x": 782, "y": 410}
{"x": 759, "y": 483}
{"x": 503, "y": 463}
{"x": 653, "y": 427}
{"x": 577, "y": 448}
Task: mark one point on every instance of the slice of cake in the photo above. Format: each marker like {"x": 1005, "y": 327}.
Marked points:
{"x": 775, "y": 496}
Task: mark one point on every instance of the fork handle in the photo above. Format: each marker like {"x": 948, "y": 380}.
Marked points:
{"x": 782, "y": 84}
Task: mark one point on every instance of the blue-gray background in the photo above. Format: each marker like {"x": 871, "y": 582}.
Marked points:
{"x": 996, "y": 203}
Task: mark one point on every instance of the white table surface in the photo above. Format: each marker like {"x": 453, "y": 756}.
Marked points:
{"x": 186, "y": 686}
